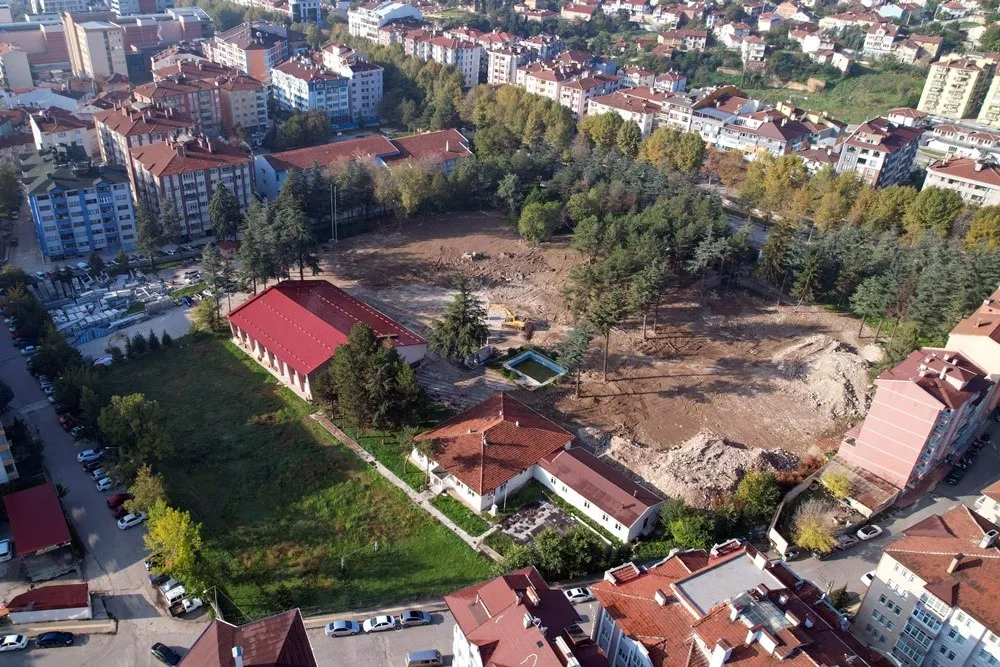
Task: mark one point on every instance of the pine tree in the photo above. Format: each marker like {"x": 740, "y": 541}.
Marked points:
{"x": 153, "y": 342}
{"x": 462, "y": 330}
{"x": 148, "y": 231}
{"x": 809, "y": 280}
{"x": 170, "y": 224}
{"x": 166, "y": 340}
{"x": 224, "y": 211}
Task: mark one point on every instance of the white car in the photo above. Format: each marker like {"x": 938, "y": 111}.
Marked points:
{"x": 48, "y": 389}
{"x": 105, "y": 484}
{"x": 28, "y": 351}
{"x": 379, "y": 624}
{"x": 578, "y": 595}
{"x": 190, "y": 604}
{"x": 130, "y": 520}
{"x": 6, "y": 550}
{"x": 88, "y": 455}
{"x": 342, "y": 628}
{"x": 867, "y": 578}
{"x": 83, "y": 266}
{"x": 98, "y": 474}
{"x": 869, "y": 532}
{"x": 13, "y": 643}
{"x": 106, "y": 360}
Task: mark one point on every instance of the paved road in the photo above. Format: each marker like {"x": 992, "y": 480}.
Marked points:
{"x": 847, "y": 567}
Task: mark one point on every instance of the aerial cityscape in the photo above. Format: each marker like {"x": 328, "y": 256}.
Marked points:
{"x": 544, "y": 333}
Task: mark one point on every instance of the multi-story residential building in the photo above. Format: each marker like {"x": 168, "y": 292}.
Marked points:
{"x": 366, "y": 20}
{"x": 988, "y": 504}
{"x": 880, "y": 152}
{"x": 753, "y": 51}
{"x": 8, "y": 468}
{"x": 961, "y": 141}
{"x": 956, "y": 86}
{"x": 15, "y": 71}
{"x": 570, "y": 84}
{"x": 58, "y": 6}
{"x": 574, "y": 12}
{"x": 926, "y": 410}
{"x": 54, "y": 126}
{"x": 978, "y": 336}
{"x": 730, "y": 34}
{"x": 546, "y": 46}
{"x": 301, "y": 84}
{"x": 124, "y": 127}
{"x": 989, "y": 112}
{"x": 933, "y": 600}
{"x": 76, "y": 207}
{"x": 976, "y": 180}
{"x": 684, "y": 39}
{"x": 670, "y": 82}
{"x": 252, "y": 48}
{"x": 335, "y": 56}
{"x": 762, "y": 132}
{"x": 503, "y": 62}
{"x": 185, "y": 171}
{"x": 299, "y": 11}
{"x": 630, "y": 108}
{"x": 726, "y": 606}
{"x": 636, "y": 77}
{"x": 365, "y": 89}
{"x": 458, "y": 53}
{"x": 516, "y": 618}
{"x": 98, "y": 50}
{"x": 129, "y": 7}
{"x": 880, "y": 39}
{"x": 197, "y": 99}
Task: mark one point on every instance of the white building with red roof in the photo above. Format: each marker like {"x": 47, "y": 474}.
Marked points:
{"x": 293, "y": 328}
{"x": 630, "y": 108}
{"x": 881, "y": 152}
{"x": 977, "y": 181}
{"x": 730, "y": 606}
{"x": 126, "y": 126}
{"x": 485, "y": 454}
{"x": 988, "y": 504}
{"x": 54, "y": 126}
{"x": 516, "y": 619}
{"x": 933, "y": 600}
{"x": 59, "y": 602}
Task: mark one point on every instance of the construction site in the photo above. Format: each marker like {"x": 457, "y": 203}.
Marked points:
{"x": 721, "y": 382}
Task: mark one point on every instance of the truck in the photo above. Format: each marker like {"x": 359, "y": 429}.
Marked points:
{"x": 184, "y": 606}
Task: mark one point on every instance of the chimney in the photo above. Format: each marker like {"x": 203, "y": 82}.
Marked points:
{"x": 943, "y": 372}
{"x": 720, "y": 653}
{"x": 953, "y": 565}
{"x": 528, "y": 620}
{"x": 989, "y": 539}
{"x": 979, "y": 166}
{"x": 237, "y": 656}
{"x": 660, "y": 597}
{"x": 979, "y": 322}
{"x": 533, "y": 598}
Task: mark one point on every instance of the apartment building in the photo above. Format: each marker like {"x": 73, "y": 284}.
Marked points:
{"x": 926, "y": 411}
{"x": 753, "y": 51}
{"x": 8, "y": 468}
{"x": 129, "y": 7}
{"x": 301, "y": 84}
{"x": 56, "y": 6}
{"x": 880, "y": 39}
{"x": 366, "y": 20}
{"x": 570, "y": 84}
{"x": 127, "y": 126}
{"x": 988, "y": 504}
{"x": 98, "y": 50}
{"x": 978, "y": 337}
{"x": 956, "y": 86}
{"x": 15, "y": 71}
{"x": 298, "y": 11}
{"x": 197, "y": 99}
{"x": 881, "y": 152}
{"x": 77, "y": 208}
{"x": 502, "y": 63}
{"x": 684, "y": 39}
{"x": 546, "y": 46}
{"x": 760, "y": 132}
{"x": 515, "y": 619}
{"x": 933, "y": 601}
{"x": 575, "y": 12}
{"x": 630, "y": 108}
{"x": 729, "y": 605}
{"x": 185, "y": 171}
{"x": 252, "y": 48}
{"x": 242, "y": 98}
{"x": 670, "y": 82}
{"x": 977, "y": 180}
{"x": 54, "y": 126}
{"x": 636, "y": 77}
{"x": 989, "y": 112}
{"x": 464, "y": 56}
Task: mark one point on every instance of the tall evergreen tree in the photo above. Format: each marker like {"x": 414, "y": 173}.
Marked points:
{"x": 462, "y": 329}
{"x": 224, "y": 211}
{"x": 147, "y": 227}
{"x": 170, "y": 224}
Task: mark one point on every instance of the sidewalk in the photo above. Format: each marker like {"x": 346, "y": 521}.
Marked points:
{"x": 422, "y": 500}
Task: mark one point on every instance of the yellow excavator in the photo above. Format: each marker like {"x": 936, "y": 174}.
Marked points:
{"x": 498, "y": 313}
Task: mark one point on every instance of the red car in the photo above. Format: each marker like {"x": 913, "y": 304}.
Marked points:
{"x": 67, "y": 422}
{"x": 119, "y": 512}
{"x": 118, "y": 500}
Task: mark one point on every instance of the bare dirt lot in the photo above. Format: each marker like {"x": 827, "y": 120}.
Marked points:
{"x": 732, "y": 364}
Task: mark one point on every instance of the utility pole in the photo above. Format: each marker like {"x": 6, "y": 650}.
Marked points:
{"x": 335, "y": 239}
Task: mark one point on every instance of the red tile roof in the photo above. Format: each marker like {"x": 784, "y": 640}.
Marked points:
{"x": 36, "y": 519}
{"x": 491, "y": 615}
{"x": 948, "y": 377}
{"x": 625, "y": 102}
{"x": 275, "y": 641}
{"x": 494, "y": 441}
{"x": 601, "y": 484}
{"x": 55, "y": 119}
{"x": 170, "y": 158}
{"x": 986, "y": 172}
{"x": 928, "y": 548}
{"x": 44, "y": 598}
{"x": 306, "y": 71}
{"x": 984, "y": 322}
{"x": 886, "y": 135}
{"x": 304, "y": 321}
{"x": 133, "y": 121}
{"x": 993, "y": 491}
{"x": 432, "y": 146}
{"x": 353, "y": 149}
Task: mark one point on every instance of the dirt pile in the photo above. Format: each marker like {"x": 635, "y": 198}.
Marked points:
{"x": 703, "y": 470}
{"x": 831, "y": 374}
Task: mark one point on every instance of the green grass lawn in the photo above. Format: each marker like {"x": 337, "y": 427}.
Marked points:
{"x": 463, "y": 517}
{"x": 281, "y": 502}
{"x": 855, "y": 99}
{"x": 188, "y": 291}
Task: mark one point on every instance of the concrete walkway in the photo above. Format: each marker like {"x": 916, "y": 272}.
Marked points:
{"x": 422, "y": 499}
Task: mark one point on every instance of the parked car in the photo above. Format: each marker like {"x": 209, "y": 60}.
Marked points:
{"x": 40, "y": 275}
{"x": 105, "y": 484}
{"x": 844, "y": 542}
{"x": 190, "y": 604}
{"x": 869, "y": 532}
{"x": 414, "y": 617}
{"x": 118, "y": 500}
{"x": 579, "y": 594}
{"x": 342, "y": 628}
{"x": 76, "y": 431}
{"x": 91, "y": 466}
{"x": 63, "y": 409}
{"x": 165, "y": 654}
{"x": 54, "y": 639}
{"x": 868, "y": 577}
{"x": 955, "y": 476}
{"x": 119, "y": 512}
{"x": 13, "y": 643}
{"x": 822, "y": 555}
{"x": 65, "y": 421}
{"x": 379, "y": 624}
{"x": 130, "y": 520}
{"x": 89, "y": 455}
{"x": 106, "y": 360}
{"x": 6, "y": 550}
{"x": 158, "y": 579}
{"x": 97, "y": 474}
{"x": 27, "y": 351}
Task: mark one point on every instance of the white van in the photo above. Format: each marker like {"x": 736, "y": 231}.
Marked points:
{"x": 175, "y": 594}
{"x": 426, "y": 658}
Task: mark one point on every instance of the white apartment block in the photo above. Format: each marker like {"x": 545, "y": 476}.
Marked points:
{"x": 977, "y": 181}
{"x": 956, "y": 86}
{"x": 15, "y": 72}
{"x": 101, "y": 50}
{"x": 303, "y": 85}
{"x": 988, "y": 504}
{"x": 54, "y": 127}
{"x": 879, "y": 40}
{"x": 464, "y": 56}
{"x": 503, "y": 63}
{"x": 933, "y": 601}
{"x": 366, "y": 20}
{"x": 58, "y": 6}
{"x": 570, "y": 84}
{"x": 630, "y": 108}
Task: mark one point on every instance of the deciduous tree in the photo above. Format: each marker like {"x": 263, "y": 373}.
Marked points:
{"x": 538, "y": 220}
{"x": 147, "y": 489}
{"x": 934, "y": 209}
{"x": 757, "y": 495}
{"x": 176, "y": 539}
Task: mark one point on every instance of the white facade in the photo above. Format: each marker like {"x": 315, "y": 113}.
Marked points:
{"x": 254, "y": 349}
{"x": 85, "y": 137}
{"x": 978, "y": 185}
{"x": 366, "y": 20}
{"x": 15, "y": 71}
{"x": 988, "y": 508}
{"x": 305, "y": 86}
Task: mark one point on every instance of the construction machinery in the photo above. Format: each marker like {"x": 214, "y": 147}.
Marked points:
{"x": 500, "y": 316}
